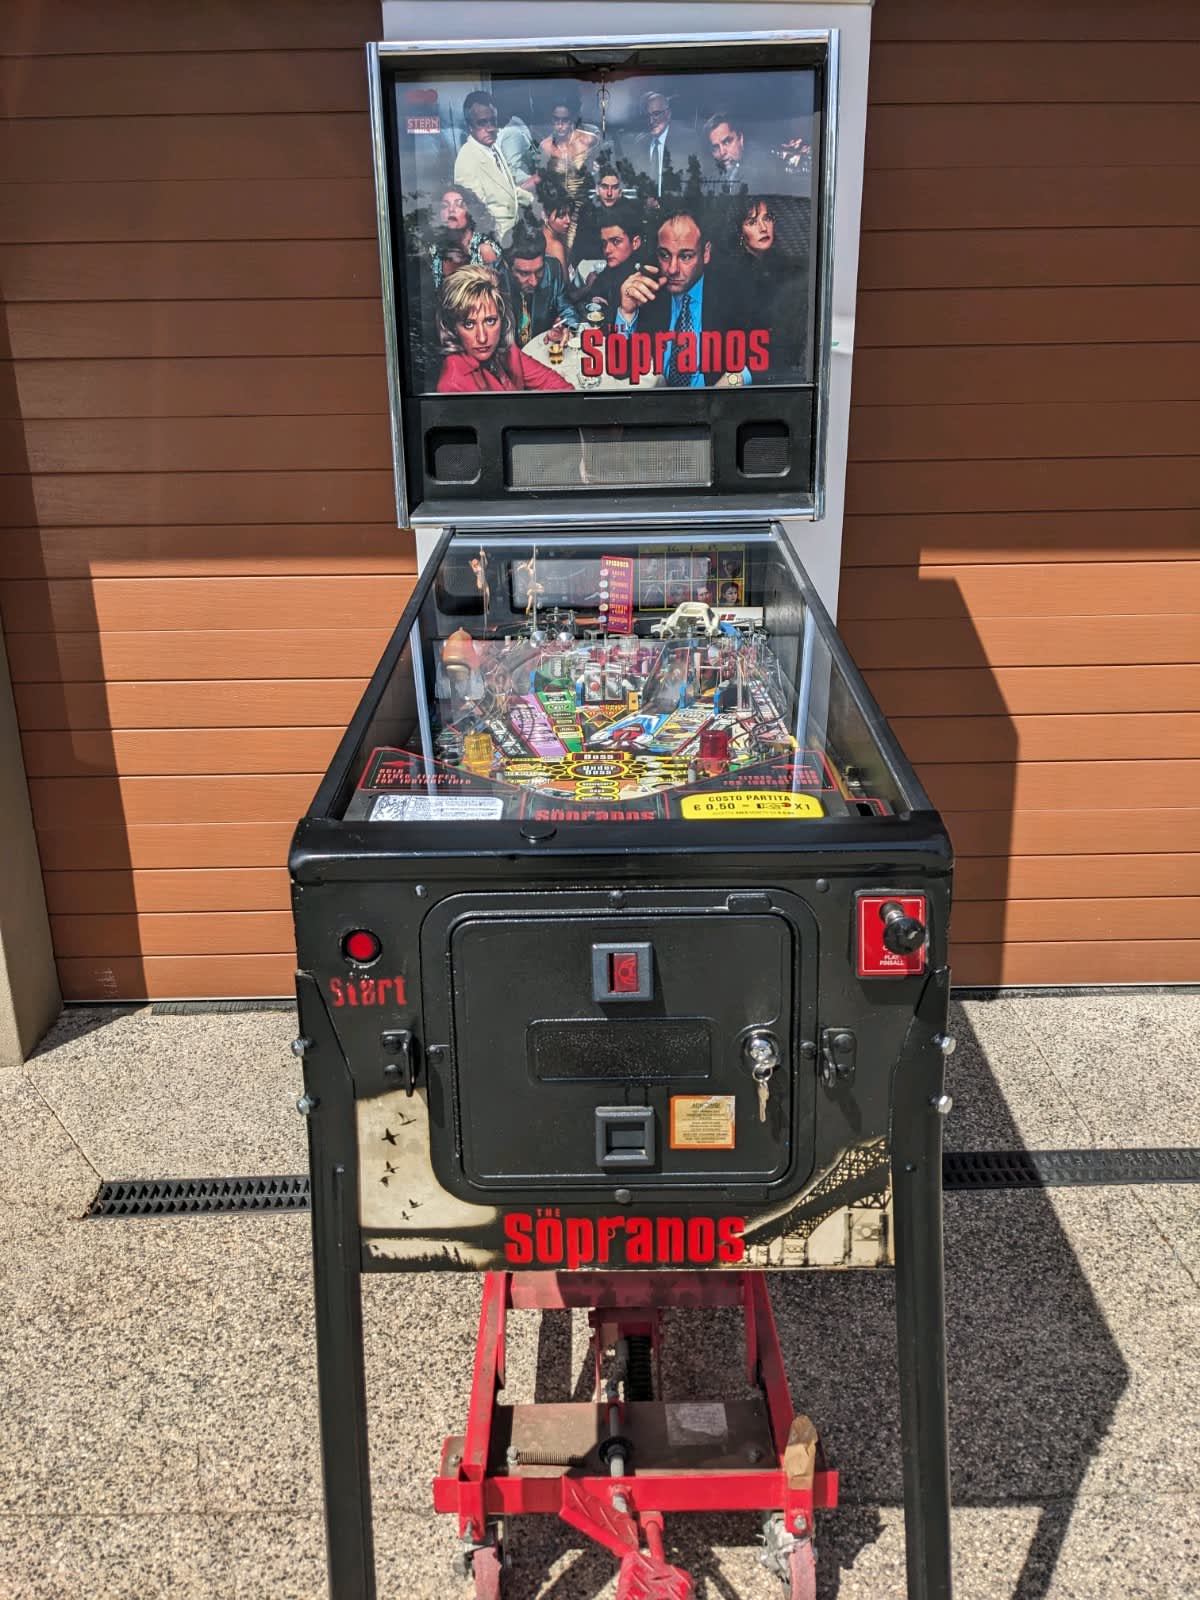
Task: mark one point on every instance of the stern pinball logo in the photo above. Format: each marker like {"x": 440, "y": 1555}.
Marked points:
{"x": 545, "y": 1238}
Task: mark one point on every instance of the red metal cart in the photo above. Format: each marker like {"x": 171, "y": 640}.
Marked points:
{"x": 613, "y": 1466}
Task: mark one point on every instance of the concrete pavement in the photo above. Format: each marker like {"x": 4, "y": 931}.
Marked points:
{"x": 159, "y": 1421}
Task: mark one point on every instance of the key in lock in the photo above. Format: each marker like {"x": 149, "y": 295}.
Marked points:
{"x": 762, "y": 1050}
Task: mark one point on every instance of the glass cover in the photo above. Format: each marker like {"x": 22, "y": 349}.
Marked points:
{"x": 609, "y": 231}
{"x": 618, "y": 679}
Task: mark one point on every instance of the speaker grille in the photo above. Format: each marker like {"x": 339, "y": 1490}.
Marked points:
{"x": 763, "y": 449}
{"x": 619, "y": 1047}
{"x": 604, "y": 458}
{"x": 452, "y": 455}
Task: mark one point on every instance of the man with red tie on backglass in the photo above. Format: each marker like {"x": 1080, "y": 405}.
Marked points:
{"x": 679, "y": 302}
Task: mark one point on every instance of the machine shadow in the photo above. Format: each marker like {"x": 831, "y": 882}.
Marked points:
{"x": 1035, "y": 1377}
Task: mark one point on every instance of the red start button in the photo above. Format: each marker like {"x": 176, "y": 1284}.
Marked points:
{"x": 891, "y": 935}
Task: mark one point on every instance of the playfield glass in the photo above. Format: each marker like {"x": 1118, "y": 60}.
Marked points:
{"x": 618, "y": 679}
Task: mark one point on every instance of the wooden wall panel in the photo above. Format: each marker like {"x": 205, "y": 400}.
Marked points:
{"x": 237, "y": 549}
{"x": 300, "y": 703}
{"x": 147, "y": 272}
{"x": 197, "y": 444}
{"x": 1024, "y": 72}
{"x": 172, "y": 934}
{"x": 246, "y": 653}
{"x": 176, "y": 977}
{"x": 147, "y": 25}
{"x": 181, "y": 148}
{"x": 342, "y": 601}
{"x": 207, "y": 83}
{"x": 1165, "y": 21}
{"x": 1030, "y": 316}
{"x": 1047, "y": 962}
{"x": 199, "y": 561}
{"x": 1024, "y": 878}
{"x": 936, "y": 486}
{"x": 328, "y": 386}
{"x": 976, "y": 374}
{"x": 1014, "y": 197}
{"x": 125, "y": 847}
{"x": 78, "y": 499}
{"x": 1023, "y": 430}
{"x": 1109, "y": 826}
{"x": 990, "y": 537}
{"x": 190, "y": 889}
{"x": 137, "y": 752}
{"x": 175, "y": 329}
{"x": 950, "y": 136}
{"x": 1094, "y": 737}
{"x": 1018, "y": 259}
{"x": 1020, "y": 574}
{"x": 1035, "y": 691}
{"x": 1019, "y": 641}
{"x": 1105, "y": 920}
{"x": 272, "y": 208}
{"x": 1101, "y": 590}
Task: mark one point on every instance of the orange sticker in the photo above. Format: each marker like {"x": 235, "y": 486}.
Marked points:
{"x": 702, "y": 1121}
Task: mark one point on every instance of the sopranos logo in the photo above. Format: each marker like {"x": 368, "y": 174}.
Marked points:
{"x": 637, "y": 355}
{"x": 546, "y": 1238}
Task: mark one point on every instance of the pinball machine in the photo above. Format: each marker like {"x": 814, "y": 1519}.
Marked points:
{"x": 621, "y": 916}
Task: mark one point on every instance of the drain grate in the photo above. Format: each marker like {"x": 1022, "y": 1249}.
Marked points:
{"x": 172, "y": 1197}
{"x": 210, "y": 1008}
{"x": 1055, "y": 1169}
{"x": 962, "y": 1171}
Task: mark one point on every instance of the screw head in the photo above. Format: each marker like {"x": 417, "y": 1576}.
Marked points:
{"x": 299, "y": 1046}
{"x": 946, "y": 1043}
{"x": 623, "y": 1197}
{"x": 307, "y": 1104}
{"x": 943, "y": 1104}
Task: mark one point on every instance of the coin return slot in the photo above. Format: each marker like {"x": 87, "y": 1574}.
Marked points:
{"x": 624, "y": 1137}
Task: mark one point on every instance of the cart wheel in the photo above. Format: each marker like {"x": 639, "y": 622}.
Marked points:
{"x": 802, "y": 1570}
{"x": 486, "y": 1565}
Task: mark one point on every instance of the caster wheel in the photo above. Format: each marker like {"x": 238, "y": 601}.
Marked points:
{"x": 802, "y": 1571}
{"x": 486, "y": 1566}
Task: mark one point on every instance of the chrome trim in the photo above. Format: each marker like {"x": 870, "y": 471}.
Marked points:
{"x": 636, "y": 41}
{"x": 387, "y": 283}
{"x": 416, "y": 651}
{"x": 829, "y": 132}
{"x": 634, "y": 539}
{"x": 537, "y": 515}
